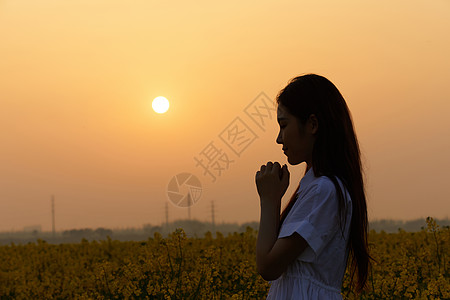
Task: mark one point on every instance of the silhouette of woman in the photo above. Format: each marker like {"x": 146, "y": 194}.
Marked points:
{"x": 304, "y": 251}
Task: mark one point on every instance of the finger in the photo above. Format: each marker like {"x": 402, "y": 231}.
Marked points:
{"x": 277, "y": 165}
{"x": 276, "y": 168}
{"x": 285, "y": 172}
{"x": 269, "y": 166}
{"x": 263, "y": 168}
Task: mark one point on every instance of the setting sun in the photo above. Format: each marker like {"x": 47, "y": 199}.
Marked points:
{"x": 160, "y": 104}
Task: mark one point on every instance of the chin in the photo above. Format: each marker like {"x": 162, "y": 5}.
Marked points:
{"x": 293, "y": 162}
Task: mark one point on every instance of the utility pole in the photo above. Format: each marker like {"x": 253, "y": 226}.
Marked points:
{"x": 167, "y": 215}
{"x": 53, "y": 215}
{"x": 212, "y": 217}
{"x": 189, "y": 205}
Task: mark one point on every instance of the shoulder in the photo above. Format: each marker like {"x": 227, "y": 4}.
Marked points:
{"x": 322, "y": 186}
{"x": 326, "y": 191}
{"x": 324, "y": 183}
{"x": 320, "y": 193}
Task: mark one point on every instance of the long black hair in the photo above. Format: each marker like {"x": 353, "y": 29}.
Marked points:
{"x": 335, "y": 154}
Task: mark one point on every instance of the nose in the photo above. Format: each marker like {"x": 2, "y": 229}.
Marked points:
{"x": 279, "y": 139}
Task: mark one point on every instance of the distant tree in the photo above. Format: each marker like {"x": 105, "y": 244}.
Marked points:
{"x": 150, "y": 230}
{"x": 103, "y": 232}
{"x": 191, "y": 227}
{"x": 78, "y": 233}
{"x": 254, "y": 225}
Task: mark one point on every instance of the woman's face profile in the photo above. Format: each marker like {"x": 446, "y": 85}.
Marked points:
{"x": 297, "y": 139}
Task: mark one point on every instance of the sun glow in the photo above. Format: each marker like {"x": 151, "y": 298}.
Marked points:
{"x": 160, "y": 104}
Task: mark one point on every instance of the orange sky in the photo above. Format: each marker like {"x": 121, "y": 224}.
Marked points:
{"x": 77, "y": 79}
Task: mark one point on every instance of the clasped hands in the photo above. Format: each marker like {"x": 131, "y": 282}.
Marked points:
{"x": 272, "y": 181}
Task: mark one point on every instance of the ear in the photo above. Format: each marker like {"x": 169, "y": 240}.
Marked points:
{"x": 313, "y": 124}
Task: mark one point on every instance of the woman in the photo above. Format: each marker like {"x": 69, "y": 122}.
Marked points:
{"x": 304, "y": 252}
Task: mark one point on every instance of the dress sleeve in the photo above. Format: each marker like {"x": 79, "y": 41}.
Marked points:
{"x": 314, "y": 217}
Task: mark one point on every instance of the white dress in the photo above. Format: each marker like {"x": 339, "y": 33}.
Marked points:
{"x": 318, "y": 272}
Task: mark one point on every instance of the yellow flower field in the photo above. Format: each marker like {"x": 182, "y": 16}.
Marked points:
{"x": 407, "y": 266}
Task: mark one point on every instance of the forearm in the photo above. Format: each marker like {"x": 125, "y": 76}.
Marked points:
{"x": 268, "y": 230}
